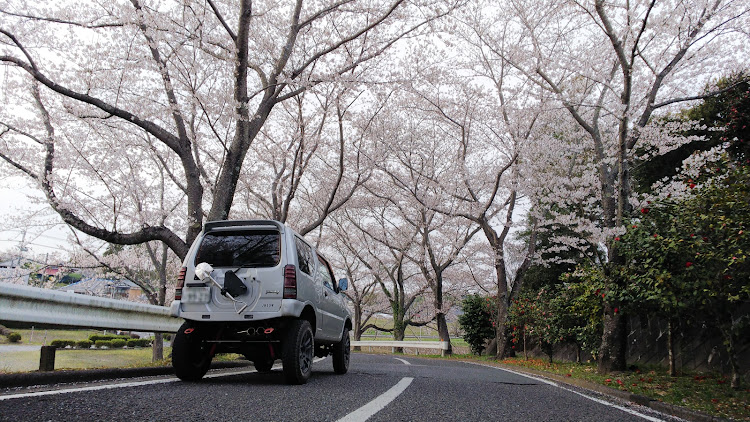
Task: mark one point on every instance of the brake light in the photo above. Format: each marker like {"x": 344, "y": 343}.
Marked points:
{"x": 290, "y": 282}
{"x": 180, "y": 284}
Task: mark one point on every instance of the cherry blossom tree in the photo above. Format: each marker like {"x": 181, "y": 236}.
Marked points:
{"x": 613, "y": 67}
{"x": 414, "y": 159}
{"x": 194, "y": 83}
{"x": 315, "y": 154}
{"x": 364, "y": 291}
{"x": 462, "y": 137}
{"x": 387, "y": 241}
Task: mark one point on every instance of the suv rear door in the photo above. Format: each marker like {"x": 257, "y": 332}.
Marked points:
{"x": 254, "y": 255}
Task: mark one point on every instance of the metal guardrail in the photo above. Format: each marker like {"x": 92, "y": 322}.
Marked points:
{"x": 443, "y": 346}
{"x": 51, "y": 307}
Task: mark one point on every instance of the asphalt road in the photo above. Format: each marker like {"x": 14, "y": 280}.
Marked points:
{"x": 377, "y": 388}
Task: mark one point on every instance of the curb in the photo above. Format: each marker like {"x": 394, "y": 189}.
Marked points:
{"x": 27, "y": 379}
{"x": 670, "y": 409}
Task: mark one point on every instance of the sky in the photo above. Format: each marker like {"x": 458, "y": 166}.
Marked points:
{"x": 16, "y": 210}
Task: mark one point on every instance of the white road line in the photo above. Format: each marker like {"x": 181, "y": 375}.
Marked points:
{"x": 92, "y": 388}
{"x": 378, "y": 403}
{"x": 113, "y": 386}
{"x": 604, "y": 402}
{"x": 123, "y": 385}
{"x": 403, "y": 361}
{"x": 624, "y": 409}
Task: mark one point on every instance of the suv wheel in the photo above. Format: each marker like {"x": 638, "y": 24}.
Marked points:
{"x": 341, "y": 352}
{"x": 190, "y": 357}
{"x": 298, "y": 352}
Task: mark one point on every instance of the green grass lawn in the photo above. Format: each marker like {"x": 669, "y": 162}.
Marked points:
{"x": 41, "y": 336}
{"x": 25, "y": 361}
{"x": 80, "y": 359}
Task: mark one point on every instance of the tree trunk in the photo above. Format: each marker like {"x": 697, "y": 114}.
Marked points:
{"x": 731, "y": 338}
{"x": 736, "y": 382}
{"x": 398, "y": 335}
{"x": 443, "y": 332}
{"x": 158, "y": 346}
{"x": 357, "y": 326}
{"x": 613, "y": 350}
{"x": 229, "y": 175}
{"x": 670, "y": 348}
{"x": 612, "y": 353}
{"x": 502, "y": 305}
{"x": 502, "y": 310}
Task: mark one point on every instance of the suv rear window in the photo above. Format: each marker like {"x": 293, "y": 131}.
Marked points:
{"x": 257, "y": 248}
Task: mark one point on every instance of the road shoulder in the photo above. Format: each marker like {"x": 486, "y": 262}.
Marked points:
{"x": 669, "y": 409}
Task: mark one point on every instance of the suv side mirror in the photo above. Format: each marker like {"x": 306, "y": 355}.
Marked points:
{"x": 343, "y": 284}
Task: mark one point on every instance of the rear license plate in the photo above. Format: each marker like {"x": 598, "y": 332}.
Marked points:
{"x": 196, "y": 295}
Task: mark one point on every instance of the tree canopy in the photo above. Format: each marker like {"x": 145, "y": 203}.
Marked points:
{"x": 416, "y": 139}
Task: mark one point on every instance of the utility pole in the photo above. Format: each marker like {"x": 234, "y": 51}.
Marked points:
{"x": 21, "y": 247}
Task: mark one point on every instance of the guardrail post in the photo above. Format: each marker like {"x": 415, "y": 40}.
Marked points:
{"x": 47, "y": 358}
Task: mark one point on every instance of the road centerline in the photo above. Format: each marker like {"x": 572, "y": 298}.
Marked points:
{"x": 378, "y": 403}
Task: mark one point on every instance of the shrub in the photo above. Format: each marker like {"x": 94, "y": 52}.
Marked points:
{"x": 477, "y": 321}
{"x": 103, "y": 343}
{"x": 84, "y": 344}
{"x": 141, "y": 342}
{"x": 134, "y": 336}
{"x": 95, "y": 337}
{"x": 63, "y": 343}
{"x": 119, "y": 343}
{"x": 14, "y": 337}
{"x": 4, "y": 331}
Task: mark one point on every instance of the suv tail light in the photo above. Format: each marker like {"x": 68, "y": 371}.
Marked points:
{"x": 290, "y": 282}
{"x": 180, "y": 284}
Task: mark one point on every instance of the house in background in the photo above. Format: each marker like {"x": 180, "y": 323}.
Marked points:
{"x": 13, "y": 271}
{"x": 51, "y": 272}
{"x": 105, "y": 287}
{"x": 14, "y": 263}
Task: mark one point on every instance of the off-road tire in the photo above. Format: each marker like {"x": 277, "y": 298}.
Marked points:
{"x": 341, "y": 353}
{"x": 191, "y": 357}
{"x": 297, "y": 355}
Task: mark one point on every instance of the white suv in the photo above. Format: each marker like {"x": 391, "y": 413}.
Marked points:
{"x": 259, "y": 289}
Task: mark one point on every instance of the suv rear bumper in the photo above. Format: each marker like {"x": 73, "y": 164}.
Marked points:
{"x": 289, "y": 308}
